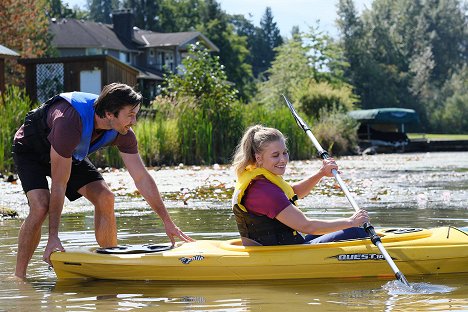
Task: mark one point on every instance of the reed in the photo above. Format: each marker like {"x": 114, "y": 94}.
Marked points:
{"x": 14, "y": 104}
{"x": 192, "y": 135}
{"x": 281, "y": 119}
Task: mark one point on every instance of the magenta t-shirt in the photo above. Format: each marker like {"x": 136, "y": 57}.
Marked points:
{"x": 262, "y": 197}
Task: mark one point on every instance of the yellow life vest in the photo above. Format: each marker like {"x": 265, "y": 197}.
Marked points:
{"x": 250, "y": 173}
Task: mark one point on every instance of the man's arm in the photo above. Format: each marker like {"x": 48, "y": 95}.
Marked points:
{"x": 149, "y": 190}
{"x": 60, "y": 173}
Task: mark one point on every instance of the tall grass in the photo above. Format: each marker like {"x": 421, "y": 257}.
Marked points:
{"x": 190, "y": 135}
{"x": 187, "y": 133}
{"x": 157, "y": 140}
{"x": 14, "y": 104}
{"x": 280, "y": 118}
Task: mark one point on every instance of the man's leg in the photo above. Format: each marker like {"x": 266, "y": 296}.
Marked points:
{"x": 99, "y": 194}
{"x": 30, "y": 231}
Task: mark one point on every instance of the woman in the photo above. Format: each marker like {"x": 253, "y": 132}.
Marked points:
{"x": 265, "y": 205}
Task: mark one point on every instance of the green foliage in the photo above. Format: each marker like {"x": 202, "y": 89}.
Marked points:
{"x": 336, "y": 131}
{"x": 157, "y": 140}
{"x": 101, "y": 10}
{"x": 280, "y": 117}
{"x": 108, "y": 157}
{"x": 452, "y": 116}
{"x": 289, "y": 69}
{"x": 315, "y": 97}
{"x": 60, "y": 10}
{"x": 325, "y": 56}
{"x": 14, "y": 105}
{"x": 202, "y": 100}
{"x": 203, "y": 78}
{"x": 267, "y": 37}
{"x": 401, "y": 54}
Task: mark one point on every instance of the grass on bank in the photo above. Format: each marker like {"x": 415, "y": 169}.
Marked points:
{"x": 435, "y": 136}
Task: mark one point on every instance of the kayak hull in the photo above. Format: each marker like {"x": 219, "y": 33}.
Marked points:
{"x": 415, "y": 252}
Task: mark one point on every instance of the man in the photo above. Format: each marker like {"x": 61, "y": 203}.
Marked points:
{"x": 54, "y": 141}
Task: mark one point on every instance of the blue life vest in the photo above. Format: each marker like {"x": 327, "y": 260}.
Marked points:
{"x": 84, "y": 105}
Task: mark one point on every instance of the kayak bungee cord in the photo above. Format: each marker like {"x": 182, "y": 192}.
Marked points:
{"x": 367, "y": 226}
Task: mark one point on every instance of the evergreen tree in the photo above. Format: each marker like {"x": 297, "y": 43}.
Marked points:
{"x": 267, "y": 39}
{"x": 59, "y": 10}
{"x": 101, "y": 10}
{"x": 145, "y": 13}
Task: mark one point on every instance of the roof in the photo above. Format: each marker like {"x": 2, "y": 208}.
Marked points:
{"x": 385, "y": 115}
{"x": 72, "y": 33}
{"x": 5, "y": 52}
{"x": 147, "y": 73}
{"x": 178, "y": 39}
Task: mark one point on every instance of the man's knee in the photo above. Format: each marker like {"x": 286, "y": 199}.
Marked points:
{"x": 38, "y": 201}
{"x": 105, "y": 200}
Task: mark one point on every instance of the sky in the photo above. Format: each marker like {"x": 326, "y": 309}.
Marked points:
{"x": 286, "y": 13}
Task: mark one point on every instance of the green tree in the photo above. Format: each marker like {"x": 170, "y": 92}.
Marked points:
{"x": 205, "y": 107}
{"x": 267, "y": 39}
{"x": 145, "y": 13}
{"x": 401, "y": 53}
{"x": 353, "y": 44}
{"x": 244, "y": 27}
{"x": 233, "y": 48}
{"x": 289, "y": 68}
{"x": 325, "y": 56}
{"x": 452, "y": 115}
{"x": 182, "y": 15}
{"x": 304, "y": 60}
{"x": 101, "y": 10}
{"x": 203, "y": 78}
{"x": 206, "y": 17}
{"x": 59, "y": 10}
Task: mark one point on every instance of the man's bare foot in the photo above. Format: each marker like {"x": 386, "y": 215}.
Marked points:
{"x": 16, "y": 278}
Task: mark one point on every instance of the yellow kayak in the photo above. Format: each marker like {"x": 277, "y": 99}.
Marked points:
{"x": 415, "y": 252}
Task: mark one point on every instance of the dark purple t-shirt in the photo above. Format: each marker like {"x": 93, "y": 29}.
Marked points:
{"x": 65, "y": 132}
{"x": 265, "y": 198}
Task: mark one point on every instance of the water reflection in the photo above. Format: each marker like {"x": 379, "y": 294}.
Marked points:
{"x": 297, "y": 295}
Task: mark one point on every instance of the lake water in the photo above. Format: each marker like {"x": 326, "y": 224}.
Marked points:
{"x": 398, "y": 190}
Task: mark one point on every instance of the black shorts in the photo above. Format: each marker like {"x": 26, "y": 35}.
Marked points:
{"x": 33, "y": 172}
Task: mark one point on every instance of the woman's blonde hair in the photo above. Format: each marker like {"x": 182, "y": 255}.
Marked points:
{"x": 253, "y": 142}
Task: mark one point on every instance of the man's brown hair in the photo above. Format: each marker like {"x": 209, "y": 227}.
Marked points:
{"x": 114, "y": 97}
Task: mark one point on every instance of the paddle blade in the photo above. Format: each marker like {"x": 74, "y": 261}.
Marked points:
{"x": 296, "y": 116}
{"x": 402, "y": 278}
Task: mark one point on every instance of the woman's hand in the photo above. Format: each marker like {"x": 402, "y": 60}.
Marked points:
{"x": 359, "y": 218}
{"x": 327, "y": 166}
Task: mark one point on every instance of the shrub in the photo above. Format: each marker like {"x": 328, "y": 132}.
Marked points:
{"x": 336, "y": 132}
{"x": 314, "y": 97}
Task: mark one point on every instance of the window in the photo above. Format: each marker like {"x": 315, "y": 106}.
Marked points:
{"x": 124, "y": 57}
{"x": 94, "y": 51}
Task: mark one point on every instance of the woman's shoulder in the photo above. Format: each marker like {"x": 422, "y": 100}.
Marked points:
{"x": 265, "y": 186}
{"x": 265, "y": 198}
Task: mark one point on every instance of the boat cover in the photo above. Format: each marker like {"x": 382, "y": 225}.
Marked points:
{"x": 385, "y": 115}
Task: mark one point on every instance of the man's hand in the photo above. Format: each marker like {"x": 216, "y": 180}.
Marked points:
{"x": 53, "y": 244}
{"x": 173, "y": 231}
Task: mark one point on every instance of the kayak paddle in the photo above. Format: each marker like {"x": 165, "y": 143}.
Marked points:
{"x": 367, "y": 226}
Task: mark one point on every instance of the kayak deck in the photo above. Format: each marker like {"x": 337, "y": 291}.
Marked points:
{"x": 415, "y": 252}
